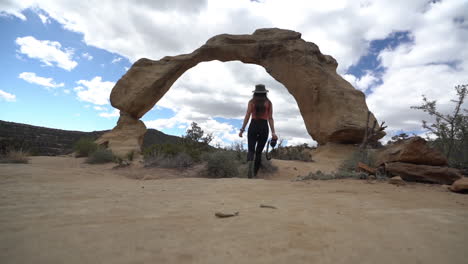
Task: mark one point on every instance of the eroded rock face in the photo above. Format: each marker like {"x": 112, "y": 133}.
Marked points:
{"x": 126, "y": 137}
{"x": 333, "y": 111}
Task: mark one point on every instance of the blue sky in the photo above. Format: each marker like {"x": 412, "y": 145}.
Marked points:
{"x": 60, "y": 59}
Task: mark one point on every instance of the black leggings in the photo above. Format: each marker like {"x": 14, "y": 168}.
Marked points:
{"x": 257, "y": 137}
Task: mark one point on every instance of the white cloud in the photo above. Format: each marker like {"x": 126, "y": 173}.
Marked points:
{"x": 114, "y": 113}
{"x": 48, "y": 52}
{"x": 44, "y": 19}
{"x": 7, "y": 96}
{"x": 67, "y": 91}
{"x": 117, "y": 59}
{"x": 31, "y": 77}
{"x": 87, "y": 56}
{"x": 94, "y": 91}
{"x": 100, "y": 108}
{"x": 363, "y": 83}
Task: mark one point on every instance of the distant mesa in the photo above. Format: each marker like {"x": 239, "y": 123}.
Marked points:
{"x": 332, "y": 109}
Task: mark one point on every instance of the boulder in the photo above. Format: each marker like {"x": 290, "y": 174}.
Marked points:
{"x": 332, "y": 109}
{"x": 397, "y": 180}
{"x": 460, "y": 185}
{"x": 414, "y": 150}
{"x": 423, "y": 173}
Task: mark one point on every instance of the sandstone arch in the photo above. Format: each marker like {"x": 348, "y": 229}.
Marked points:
{"x": 332, "y": 109}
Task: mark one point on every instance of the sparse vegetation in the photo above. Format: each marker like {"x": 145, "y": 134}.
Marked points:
{"x": 84, "y": 147}
{"x": 450, "y": 130}
{"x": 299, "y": 152}
{"x": 15, "y": 156}
{"x": 348, "y": 169}
{"x": 99, "y": 156}
{"x": 365, "y": 156}
{"x": 179, "y": 160}
{"x": 194, "y": 148}
{"x": 319, "y": 175}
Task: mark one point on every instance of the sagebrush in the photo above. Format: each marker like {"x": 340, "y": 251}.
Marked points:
{"x": 100, "y": 155}
{"x": 84, "y": 147}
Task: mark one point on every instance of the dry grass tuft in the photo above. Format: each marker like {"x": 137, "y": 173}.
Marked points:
{"x": 15, "y": 156}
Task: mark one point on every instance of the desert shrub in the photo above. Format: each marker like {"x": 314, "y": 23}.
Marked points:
{"x": 221, "y": 164}
{"x": 99, "y": 156}
{"x": 319, "y": 175}
{"x": 365, "y": 156}
{"x": 194, "y": 150}
{"x": 84, "y": 147}
{"x": 15, "y": 156}
{"x": 299, "y": 152}
{"x": 179, "y": 160}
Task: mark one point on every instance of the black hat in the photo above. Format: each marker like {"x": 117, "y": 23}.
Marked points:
{"x": 260, "y": 88}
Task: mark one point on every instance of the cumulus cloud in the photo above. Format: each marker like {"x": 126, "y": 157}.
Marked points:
{"x": 364, "y": 82}
{"x": 48, "y": 52}
{"x": 431, "y": 63}
{"x": 7, "y": 96}
{"x": 44, "y": 19}
{"x": 94, "y": 91}
{"x": 422, "y": 67}
{"x": 31, "y": 77}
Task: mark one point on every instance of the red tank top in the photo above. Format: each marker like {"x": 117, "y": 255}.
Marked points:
{"x": 266, "y": 114}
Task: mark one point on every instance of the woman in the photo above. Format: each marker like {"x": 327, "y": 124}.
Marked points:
{"x": 261, "y": 110}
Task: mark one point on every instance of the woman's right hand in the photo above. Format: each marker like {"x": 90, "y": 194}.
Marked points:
{"x": 274, "y": 136}
{"x": 240, "y": 133}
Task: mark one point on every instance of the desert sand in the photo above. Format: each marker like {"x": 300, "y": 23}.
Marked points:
{"x": 60, "y": 210}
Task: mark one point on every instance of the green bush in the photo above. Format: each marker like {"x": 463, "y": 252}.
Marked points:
{"x": 84, "y": 147}
{"x": 15, "y": 156}
{"x": 222, "y": 164}
{"x": 99, "y": 156}
{"x": 180, "y": 160}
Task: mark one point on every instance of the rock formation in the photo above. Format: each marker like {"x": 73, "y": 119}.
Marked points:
{"x": 423, "y": 173}
{"x": 413, "y": 150}
{"x": 332, "y": 109}
{"x": 460, "y": 185}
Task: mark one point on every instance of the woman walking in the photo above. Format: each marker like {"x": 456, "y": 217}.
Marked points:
{"x": 260, "y": 109}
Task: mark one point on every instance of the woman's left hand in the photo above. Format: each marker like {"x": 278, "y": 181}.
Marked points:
{"x": 240, "y": 133}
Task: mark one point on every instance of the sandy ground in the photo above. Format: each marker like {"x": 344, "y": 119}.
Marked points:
{"x": 59, "y": 210}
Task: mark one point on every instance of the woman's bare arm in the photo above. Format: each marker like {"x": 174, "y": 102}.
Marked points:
{"x": 271, "y": 122}
{"x": 246, "y": 119}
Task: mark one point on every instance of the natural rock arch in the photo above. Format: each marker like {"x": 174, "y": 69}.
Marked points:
{"x": 332, "y": 109}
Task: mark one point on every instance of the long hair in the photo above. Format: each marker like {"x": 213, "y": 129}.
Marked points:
{"x": 259, "y": 100}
